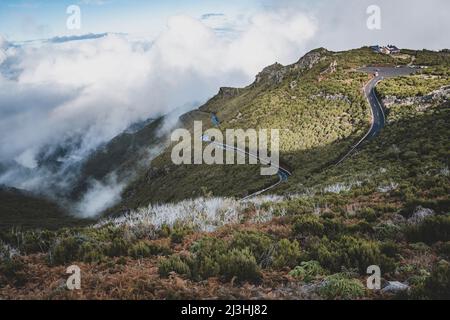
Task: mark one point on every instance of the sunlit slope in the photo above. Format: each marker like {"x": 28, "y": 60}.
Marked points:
{"x": 316, "y": 103}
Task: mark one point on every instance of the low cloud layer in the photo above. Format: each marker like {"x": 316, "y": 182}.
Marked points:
{"x": 99, "y": 197}
{"x": 76, "y": 93}
{"x": 80, "y": 94}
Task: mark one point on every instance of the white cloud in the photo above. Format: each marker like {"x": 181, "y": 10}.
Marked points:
{"x": 2, "y": 42}
{"x": 27, "y": 160}
{"x": 414, "y": 24}
{"x": 89, "y": 91}
{"x": 85, "y": 92}
{"x": 280, "y": 36}
{"x": 3, "y": 46}
{"x": 99, "y": 197}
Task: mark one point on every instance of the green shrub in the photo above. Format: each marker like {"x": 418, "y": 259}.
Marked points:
{"x": 444, "y": 250}
{"x": 420, "y": 247}
{"x": 258, "y": 243}
{"x": 205, "y": 267}
{"x": 308, "y": 271}
{"x": 140, "y": 250}
{"x": 212, "y": 257}
{"x": 240, "y": 264}
{"x": 35, "y": 241}
{"x": 89, "y": 252}
{"x": 118, "y": 247}
{"x": 12, "y": 269}
{"x": 122, "y": 261}
{"x": 333, "y": 228}
{"x": 323, "y": 252}
{"x": 338, "y": 286}
{"x": 349, "y": 252}
{"x": 207, "y": 253}
{"x": 368, "y": 214}
{"x": 431, "y": 230}
{"x": 173, "y": 264}
{"x": 209, "y": 247}
{"x": 389, "y": 248}
{"x": 65, "y": 250}
{"x": 144, "y": 249}
{"x": 164, "y": 231}
{"x": 388, "y": 231}
{"x": 296, "y": 206}
{"x": 286, "y": 254}
{"x": 437, "y": 285}
{"x": 418, "y": 278}
{"x": 362, "y": 227}
{"x": 179, "y": 231}
{"x": 159, "y": 249}
{"x": 5, "y": 251}
{"x": 308, "y": 225}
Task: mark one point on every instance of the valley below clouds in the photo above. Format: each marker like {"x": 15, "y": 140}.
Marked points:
{"x": 64, "y": 97}
{"x": 61, "y": 100}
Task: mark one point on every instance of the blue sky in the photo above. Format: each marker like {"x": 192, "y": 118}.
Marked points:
{"x": 341, "y": 23}
{"x": 27, "y": 19}
{"x": 55, "y": 92}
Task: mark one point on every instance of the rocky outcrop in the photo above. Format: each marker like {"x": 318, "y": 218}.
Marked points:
{"x": 293, "y": 85}
{"x": 273, "y": 74}
{"x": 333, "y": 97}
{"x": 439, "y": 96}
{"x": 310, "y": 59}
{"x": 331, "y": 68}
{"x": 394, "y": 287}
{"x": 228, "y": 92}
{"x": 420, "y": 214}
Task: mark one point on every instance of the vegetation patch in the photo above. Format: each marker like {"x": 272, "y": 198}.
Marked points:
{"x": 339, "y": 286}
{"x": 308, "y": 271}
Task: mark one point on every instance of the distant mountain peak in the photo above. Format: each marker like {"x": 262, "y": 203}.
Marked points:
{"x": 311, "y": 58}
{"x": 273, "y": 73}
{"x": 88, "y": 36}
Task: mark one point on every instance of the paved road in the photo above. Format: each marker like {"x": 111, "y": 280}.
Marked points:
{"x": 377, "y": 111}
{"x": 378, "y": 115}
{"x": 283, "y": 173}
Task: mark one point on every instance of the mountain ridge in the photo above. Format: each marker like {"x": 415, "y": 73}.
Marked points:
{"x": 182, "y": 231}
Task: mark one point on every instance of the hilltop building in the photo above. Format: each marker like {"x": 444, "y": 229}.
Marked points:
{"x": 389, "y": 49}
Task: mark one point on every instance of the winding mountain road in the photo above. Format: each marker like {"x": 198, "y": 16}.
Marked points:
{"x": 283, "y": 173}
{"x": 377, "y": 110}
{"x": 377, "y": 123}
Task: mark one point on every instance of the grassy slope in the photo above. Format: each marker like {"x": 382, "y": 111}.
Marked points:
{"x": 413, "y": 148}
{"x": 21, "y": 210}
{"x": 343, "y": 232}
{"x": 320, "y": 113}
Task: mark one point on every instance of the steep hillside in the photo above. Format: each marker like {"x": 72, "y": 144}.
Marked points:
{"x": 124, "y": 156}
{"x": 316, "y": 103}
{"x": 120, "y": 161}
{"x": 22, "y": 210}
{"x": 387, "y": 205}
{"x": 412, "y": 150}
